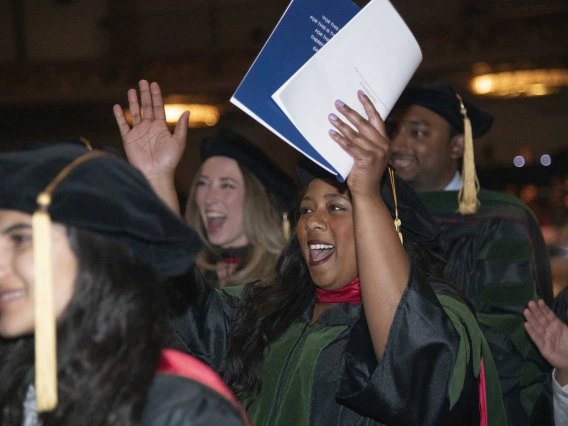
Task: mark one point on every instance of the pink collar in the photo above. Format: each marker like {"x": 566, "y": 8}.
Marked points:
{"x": 351, "y": 293}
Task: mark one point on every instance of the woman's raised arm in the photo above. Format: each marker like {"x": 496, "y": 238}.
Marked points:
{"x": 149, "y": 145}
{"x": 382, "y": 261}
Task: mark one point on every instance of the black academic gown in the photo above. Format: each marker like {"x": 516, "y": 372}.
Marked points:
{"x": 327, "y": 373}
{"x": 499, "y": 260}
{"x": 175, "y": 400}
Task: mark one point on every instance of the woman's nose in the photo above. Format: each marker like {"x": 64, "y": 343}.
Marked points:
{"x": 211, "y": 196}
{"x": 5, "y": 262}
{"x": 316, "y": 220}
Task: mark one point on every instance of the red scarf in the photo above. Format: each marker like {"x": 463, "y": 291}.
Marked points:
{"x": 351, "y": 293}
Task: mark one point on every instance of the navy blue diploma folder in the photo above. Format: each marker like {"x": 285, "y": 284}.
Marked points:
{"x": 304, "y": 28}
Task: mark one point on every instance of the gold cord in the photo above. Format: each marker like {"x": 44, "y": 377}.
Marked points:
{"x": 86, "y": 142}
{"x": 397, "y": 221}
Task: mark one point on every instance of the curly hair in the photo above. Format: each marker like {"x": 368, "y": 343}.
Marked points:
{"x": 109, "y": 341}
{"x": 268, "y": 309}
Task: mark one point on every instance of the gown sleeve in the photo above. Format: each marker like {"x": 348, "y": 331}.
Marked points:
{"x": 177, "y": 401}
{"x": 202, "y": 318}
{"x": 429, "y": 372}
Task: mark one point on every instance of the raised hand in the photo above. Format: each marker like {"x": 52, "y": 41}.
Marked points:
{"x": 550, "y": 336}
{"x": 149, "y": 145}
{"x": 369, "y": 145}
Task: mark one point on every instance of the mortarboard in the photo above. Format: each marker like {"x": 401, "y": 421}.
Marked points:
{"x": 441, "y": 98}
{"x": 226, "y": 143}
{"x": 465, "y": 118}
{"x": 96, "y": 191}
{"x": 411, "y": 216}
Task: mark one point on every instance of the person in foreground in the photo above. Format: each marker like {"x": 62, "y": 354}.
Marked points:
{"x": 238, "y": 196}
{"x": 550, "y": 336}
{"x": 94, "y": 278}
{"x": 350, "y": 331}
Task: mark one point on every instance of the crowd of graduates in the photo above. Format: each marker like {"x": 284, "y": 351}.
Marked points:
{"x": 406, "y": 295}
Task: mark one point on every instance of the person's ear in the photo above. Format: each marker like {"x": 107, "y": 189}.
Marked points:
{"x": 456, "y": 147}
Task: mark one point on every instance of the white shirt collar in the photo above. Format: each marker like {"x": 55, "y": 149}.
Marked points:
{"x": 455, "y": 184}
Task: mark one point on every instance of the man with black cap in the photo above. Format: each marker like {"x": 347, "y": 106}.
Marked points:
{"x": 492, "y": 242}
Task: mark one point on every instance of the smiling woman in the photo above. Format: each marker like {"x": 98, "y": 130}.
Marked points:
{"x": 236, "y": 203}
{"x": 238, "y": 197}
{"x": 16, "y": 290}
{"x": 326, "y": 234}
{"x": 107, "y": 264}
{"x": 355, "y": 328}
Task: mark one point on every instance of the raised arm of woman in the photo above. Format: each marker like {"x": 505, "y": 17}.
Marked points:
{"x": 426, "y": 345}
{"x": 149, "y": 145}
{"x": 382, "y": 261}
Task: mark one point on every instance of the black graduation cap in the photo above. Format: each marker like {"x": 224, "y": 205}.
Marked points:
{"x": 73, "y": 140}
{"x": 105, "y": 195}
{"x": 415, "y": 220}
{"x": 464, "y": 117}
{"x": 441, "y": 98}
{"x": 92, "y": 190}
{"x": 227, "y": 143}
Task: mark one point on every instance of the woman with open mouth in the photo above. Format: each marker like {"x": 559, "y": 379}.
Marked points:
{"x": 239, "y": 199}
{"x": 355, "y": 328}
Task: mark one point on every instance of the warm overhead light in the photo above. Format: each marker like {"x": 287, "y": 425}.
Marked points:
{"x": 520, "y": 83}
{"x": 200, "y": 115}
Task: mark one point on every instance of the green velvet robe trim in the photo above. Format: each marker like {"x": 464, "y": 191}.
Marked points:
{"x": 508, "y": 294}
{"x": 531, "y": 385}
{"x": 510, "y": 325}
{"x": 288, "y": 368}
{"x": 507, "y": 251}
{"x": 233, "y": 291}
{"x": 447, "y": 201}
{"x": 466, "y": 325}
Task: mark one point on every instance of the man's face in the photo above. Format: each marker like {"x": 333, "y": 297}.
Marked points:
{"x": 423, "y": 152}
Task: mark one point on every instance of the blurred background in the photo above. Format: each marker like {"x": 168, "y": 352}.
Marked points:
{"x": 64, "y": 63}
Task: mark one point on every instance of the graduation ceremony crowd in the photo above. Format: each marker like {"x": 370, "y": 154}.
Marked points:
{"x": 406, "y": 295}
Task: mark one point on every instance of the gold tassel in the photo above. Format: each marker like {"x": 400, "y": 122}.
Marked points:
{"x": 45, "y": 321}
{"x": 286, "y": 225}
{"x": 45, "y": 318}
{"x": 397, "y": 221}
{"x": 467, "y": 196}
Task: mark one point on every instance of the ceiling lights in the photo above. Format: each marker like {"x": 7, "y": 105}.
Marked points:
{"x": 538, "y": 82}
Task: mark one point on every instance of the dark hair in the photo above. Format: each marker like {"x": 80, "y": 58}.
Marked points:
{"x": 109, "y": 341}
{"x": 268, "y": 309}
